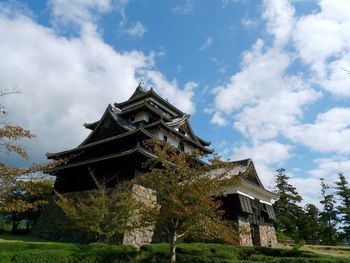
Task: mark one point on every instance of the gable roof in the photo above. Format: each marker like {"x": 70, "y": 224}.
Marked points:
{"x": 171, "y": 129}
{"x": 111, "y": 120}
{"x": 138, "y": 92}
{"x": 184, "y": 121}
{"x": 245, "y": 168}
{"x": 141, "y": 94}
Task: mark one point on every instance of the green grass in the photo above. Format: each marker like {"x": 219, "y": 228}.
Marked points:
{"x": 20, "y": 238}
{"x": 335, "y": 251}
{"x": 20, "y": 249}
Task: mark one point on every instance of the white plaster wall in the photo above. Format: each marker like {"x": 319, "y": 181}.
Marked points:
{"x": 141, "y": 116}
{"x": 172, "y": 140}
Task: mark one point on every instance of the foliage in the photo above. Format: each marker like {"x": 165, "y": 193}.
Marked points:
{"x": 343, "y": 191}
{"x": 21, "y": 199}
{"x": 106, "y": 213}
{"x": 185, "y": 190}
{"x": 287, "y": 207}
{"x": 328, "y": 216}
{"x": 25, "y": 200}
{"x": 20, "y": 252}
{"x": 309, "y": 226}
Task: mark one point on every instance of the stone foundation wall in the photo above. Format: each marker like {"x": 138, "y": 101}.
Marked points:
{"x": 267, "y": 235}
{"x": 245, "y": 236}
{"x": 142, "y": 235}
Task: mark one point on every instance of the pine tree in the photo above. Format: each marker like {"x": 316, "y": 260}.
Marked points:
{"x": 328, "y": 216}
{"x": 343, "y": 191}
{"x": 286, "y": 207}
{"x": 309, "y": 224}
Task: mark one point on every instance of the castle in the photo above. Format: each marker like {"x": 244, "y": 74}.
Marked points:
{"x": 114, "y": 150}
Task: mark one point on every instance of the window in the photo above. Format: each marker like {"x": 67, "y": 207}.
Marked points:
{"x": 165, "y": 138}
{"x": 182, "y": 146}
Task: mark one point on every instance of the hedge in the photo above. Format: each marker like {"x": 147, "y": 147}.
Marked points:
{"x": 43, "y": 252}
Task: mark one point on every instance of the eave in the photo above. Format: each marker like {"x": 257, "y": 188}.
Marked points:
{"x": 147, "y": 106}
{"x": 137, "y": 149}
{"x": 107, "y": 140}
{"x": 108, "y": 111}
{"x": 150, "y": 93}
{"x": 185, "y": 120}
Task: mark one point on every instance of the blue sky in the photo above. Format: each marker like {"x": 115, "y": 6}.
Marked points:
{"x": 261, "y": 79}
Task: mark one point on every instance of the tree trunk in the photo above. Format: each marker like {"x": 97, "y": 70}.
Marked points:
{"x": 14, "y": 226}
{"x": 173, "y": 239}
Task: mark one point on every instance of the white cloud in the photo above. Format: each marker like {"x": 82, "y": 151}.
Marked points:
{"x": 132, "y": 29}
{"x": 68, "y": 81}
{"x": 208, "y": 42}
{"x": 183, "y": 9}
{"x": 327, "y": 134}
{"x": 322, "y": 40}
{"x": 81, "y": 12}
{"x": 265, "y": 100}
{"x": 136, "y": 30}
{"x": 218, "y": 119}
{"x": 280, "y": 20}
{"x": 170, "y": 90}
{"x": 327, "y": 168}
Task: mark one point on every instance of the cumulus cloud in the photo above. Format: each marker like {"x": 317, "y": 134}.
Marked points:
{"x": 322, "y": 41}
{"x": 280, "y": 20}
{"x": 327, "y": 134}
{"x": 68, "y": 81}
{"x": 265, "y": 99}
{"x": 83, "y": 13}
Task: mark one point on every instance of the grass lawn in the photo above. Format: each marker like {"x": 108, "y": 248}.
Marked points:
{"x": 22, "y": 249}
{"x": 7, "y": 237}
{"x": 336, "y": 251}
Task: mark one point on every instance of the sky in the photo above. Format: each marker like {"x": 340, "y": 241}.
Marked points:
{"x": 265, "y": 80}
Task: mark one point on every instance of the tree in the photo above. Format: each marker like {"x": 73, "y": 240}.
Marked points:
{"x": 26, "y": 200}
{"x": 286, "y": 207}
{"x": 308, "y": 224}
{"x": 328, "y": 216}
{"x": 186, "y": 191}
{"x": 10, "y": 135}
{"x": 14, "y": 192}
{"x": 343, "y": 191}
{"x": 107, "y": 213}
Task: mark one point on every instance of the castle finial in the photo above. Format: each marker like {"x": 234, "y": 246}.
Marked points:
{"x": 141, "y": 83}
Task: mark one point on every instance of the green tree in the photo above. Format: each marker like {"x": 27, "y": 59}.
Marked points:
{"x": 107, "y": 213}
{"x": 309, "y": 224}
{"x": 287, "y": 206}
{"x": 13, "y": 190}
{"x": 185, "y": 190}
{"x": 328, "y": 216}
{"x": 10, "y": 136}
{"x": 25, "y": 200}
{"x": 343, "y": 191}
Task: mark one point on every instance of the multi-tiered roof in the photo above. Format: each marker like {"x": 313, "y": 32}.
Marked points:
{"x": 116, "y": 139}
